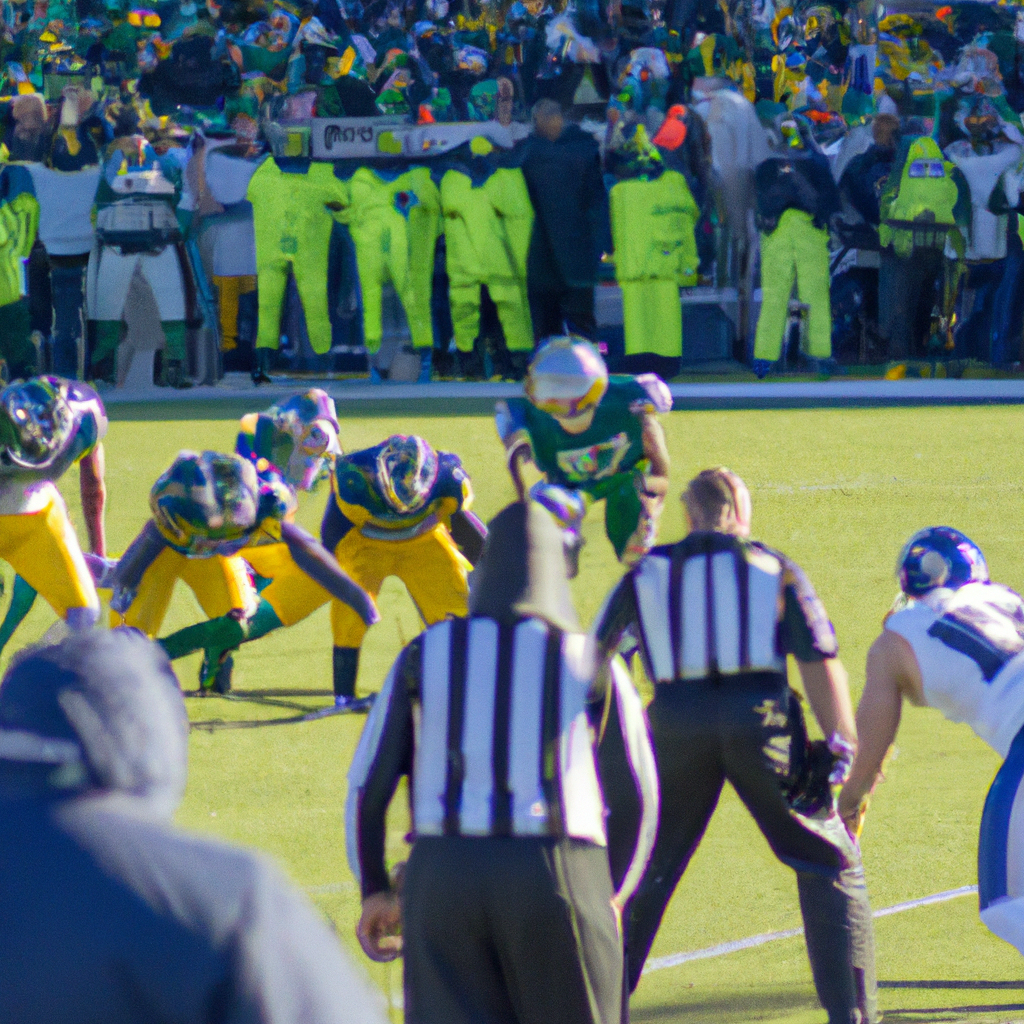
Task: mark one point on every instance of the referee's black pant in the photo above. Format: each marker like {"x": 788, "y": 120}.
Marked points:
{"x": 510, "y": 931}
{"x": 706, "y": 732}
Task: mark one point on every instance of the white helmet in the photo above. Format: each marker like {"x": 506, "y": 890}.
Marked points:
{"x": 567, "y": 377}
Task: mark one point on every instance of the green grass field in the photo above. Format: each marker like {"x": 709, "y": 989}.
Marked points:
{"x": 839, "y": 491}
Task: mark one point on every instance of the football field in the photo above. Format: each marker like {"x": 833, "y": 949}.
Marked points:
{"x": 837, "y": 490}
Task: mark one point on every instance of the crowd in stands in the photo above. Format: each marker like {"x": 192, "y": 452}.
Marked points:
{"x": 172, "y": 184}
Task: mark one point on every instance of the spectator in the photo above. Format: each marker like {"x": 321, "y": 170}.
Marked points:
{"x": 107, "y": 912}
{"x": 796, "y": 197}
{"x": 571, "y": 229}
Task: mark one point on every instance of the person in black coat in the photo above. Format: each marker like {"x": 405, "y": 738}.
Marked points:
{"x": 109, "y": 913}
{"x": 572, "y": 228}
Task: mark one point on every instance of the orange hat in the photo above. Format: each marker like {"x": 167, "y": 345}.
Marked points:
{"x": 672, "y": 133}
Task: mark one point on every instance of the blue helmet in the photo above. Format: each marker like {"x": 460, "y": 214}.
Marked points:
{"x": 407, "y": 469}
{"x": 939, "y": 556}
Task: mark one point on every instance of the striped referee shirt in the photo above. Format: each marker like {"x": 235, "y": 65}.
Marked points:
{"x": 490, "y": 722}
{"x": 716, "y": 605}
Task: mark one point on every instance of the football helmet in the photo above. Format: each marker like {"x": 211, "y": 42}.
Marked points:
{"x": 312, "y": 423}
{"x": 207, "y": 504}
{"x": 407, "y": 469}
{"x": 36, "y": 421}
{"x": 939, "y": 556}
{"x": 567, "y": 377}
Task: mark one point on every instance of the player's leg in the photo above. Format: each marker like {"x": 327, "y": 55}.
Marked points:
{"x": 690, "y": 777}
{"x": 830, "y": 877}
{"x": 368, "y": 562}
{"x": 43, "y": 549}
{"x": 629, "y": 523}
{"x": 1001, "y": 851}
{"x": 224, "y": 590}
{"x": 436, "y": 575}
{"x": 23, "y": 597}
{"x": 153, "y": 596}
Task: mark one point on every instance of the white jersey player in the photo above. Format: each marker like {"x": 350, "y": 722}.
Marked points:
{"x": 955, "y": 643}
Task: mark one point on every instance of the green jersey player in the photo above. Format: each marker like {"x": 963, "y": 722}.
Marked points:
{"x": 594, "y": 437}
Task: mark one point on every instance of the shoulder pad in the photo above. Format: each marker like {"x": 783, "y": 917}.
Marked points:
{"x": 656, "y": 396}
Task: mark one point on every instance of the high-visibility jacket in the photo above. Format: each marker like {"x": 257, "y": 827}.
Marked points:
{"x": 922, "y": 183}
{"x": 19, "y": 222}
{"x": 653, "y": 229}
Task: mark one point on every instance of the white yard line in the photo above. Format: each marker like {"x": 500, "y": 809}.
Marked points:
{"x": 660, "y": 963}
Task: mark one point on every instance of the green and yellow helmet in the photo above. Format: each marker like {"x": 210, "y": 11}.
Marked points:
{"x": 407, "y": 469}
{"x": 207, "y": 504}
{"x": 36, "y": 421}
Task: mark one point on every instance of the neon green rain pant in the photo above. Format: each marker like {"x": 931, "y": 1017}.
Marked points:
{"x": 652, "y": 318}
{"x": 394, "y": 227}
{"x": 293, "y": 232}
{"x": 795, "y": 250}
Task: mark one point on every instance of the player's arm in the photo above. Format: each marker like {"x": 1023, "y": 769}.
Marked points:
{"x": 384, "y": 754}
{"x": 656, "y": 453}
{"x": 510, "y": 421}
{"x": 892, "y": 674}
{"x": 92, "y": 484}
{"x": 320, "y": 565}
{"x": 469, "y": 533}
{"x": 131, "y": 567}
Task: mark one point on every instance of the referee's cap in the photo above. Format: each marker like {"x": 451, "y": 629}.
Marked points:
{"x": 522, "y": 572}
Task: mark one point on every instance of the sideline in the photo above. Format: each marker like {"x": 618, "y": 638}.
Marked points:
{"x": 809, "y": 394}
{"x": 660, "y": 963}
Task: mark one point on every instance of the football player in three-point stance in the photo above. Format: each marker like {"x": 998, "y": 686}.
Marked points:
{"x": 299, "y": 437}
{"x": 954, "y": 641}
{"x": 399, "y": 509}
{"x": 206, "y": 509}
{"x": 46, "y": 425}
{"x": 593, "y": 437}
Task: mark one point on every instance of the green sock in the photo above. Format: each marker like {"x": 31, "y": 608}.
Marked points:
{"x": 23, "y": 597}
{"x": 223, "y": 634}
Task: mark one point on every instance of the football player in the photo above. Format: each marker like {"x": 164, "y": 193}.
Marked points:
{"x": 299, "y": 437}
{"x": 399, "y": 509}
{"x": 593, "y": 437}
{"x": 206, "y": 509}
{"x": 954, "y": 641}
{"x": 46, "y": 425}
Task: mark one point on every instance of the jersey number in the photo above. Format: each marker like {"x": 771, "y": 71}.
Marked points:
{"x": 986, "y": 634}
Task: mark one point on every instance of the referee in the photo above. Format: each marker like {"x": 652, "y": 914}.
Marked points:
{"x": 714, "y": 617}
{"x": 508, "y": 911}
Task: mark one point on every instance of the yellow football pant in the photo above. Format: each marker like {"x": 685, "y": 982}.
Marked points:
{"x": 43, "y": 550}
{"x": 292, "y": 594}
{"x": 229, "y": 291}
{"x": 433, "y": 570}
{"x": 220, "y": 585}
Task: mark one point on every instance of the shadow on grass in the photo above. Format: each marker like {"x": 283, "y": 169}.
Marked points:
{"x": 729, "y": 1007}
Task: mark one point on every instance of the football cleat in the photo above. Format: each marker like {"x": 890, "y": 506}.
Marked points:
{"x": 354, "y": 705}
{"x": 939, "y": 556}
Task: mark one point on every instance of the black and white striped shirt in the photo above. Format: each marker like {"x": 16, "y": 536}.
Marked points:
{"x": 716, "y": 605}
{"x": 490, "y": 722}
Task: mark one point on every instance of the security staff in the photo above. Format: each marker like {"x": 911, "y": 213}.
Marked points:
{"x": 507, "y": 905}
{"x": 714, "y": 617}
